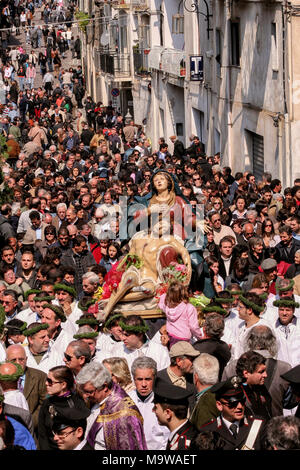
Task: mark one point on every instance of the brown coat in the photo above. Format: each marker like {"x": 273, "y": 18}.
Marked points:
{"x": 296, "y": 287}
{"x": 35, "y": 391}
{"x": 13, "y": 148}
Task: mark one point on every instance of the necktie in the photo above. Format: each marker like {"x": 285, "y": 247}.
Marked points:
{"x": 233, "y": 428}
{"x": 20, "y": 385}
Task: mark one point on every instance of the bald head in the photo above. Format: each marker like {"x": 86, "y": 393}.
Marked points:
{"x": 99, "y": 213}
{"x": 248, "y": 230}
{"x": 16, "y": 353}
{"x": 7, "y": 368}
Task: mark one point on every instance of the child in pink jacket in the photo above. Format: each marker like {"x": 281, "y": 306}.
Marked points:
{"x": 182, "y": 317}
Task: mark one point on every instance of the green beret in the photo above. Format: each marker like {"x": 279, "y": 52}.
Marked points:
{"x": 87, "y": 320}
{"x": 286, "y": 303}
{"x": 31, "y": 291}
{"x": 64, "y": 287}
{"x": 86, "y": 335}
{"x": 45, "y": 298}
{"x": 35, "y": 329}
{"x": 286, "y": 288}
{"x": 215, "y": 308}
{"x": 112, "y": 319}
{"x": 12, "y": 377}
{"x": 249, "y": 304}
{"x": 220, "y": 300}
{"x": 2, "y": 317}
{"x": 84, "y": 305}
{"x": 136, "y": 329}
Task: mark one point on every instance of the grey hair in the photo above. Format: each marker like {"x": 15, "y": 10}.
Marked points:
{"x": 255, "y": 241}
{"x": 2, "y": 283}
{"x": 80, "y": 348}
{"x": 86, "y": 329}
{"x": 283, "y": 283}
{"x": 96, "y": 374}
{"x": 262, "y": 337}
{"x": 61, "y": 205}
{"x": 91, "y": 277}
{"x": 214, "y": 325}
{"x": 251, "y": 212}
{"x": 207, "y": 368}
{"x": 144, "y": 362}
{"x": 15, "y": 207}
{"x": 283, "y": 432}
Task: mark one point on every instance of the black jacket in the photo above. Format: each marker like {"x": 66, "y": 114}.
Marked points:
{"x": 217, "y": 348}
{"x": 183, "y": 437}
{"x": 287, "y": 254}
{"x": 231, "y": 443}
{"x": 52, "y": 405}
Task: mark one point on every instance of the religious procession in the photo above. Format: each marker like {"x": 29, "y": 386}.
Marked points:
{"x": 149, "y": 295}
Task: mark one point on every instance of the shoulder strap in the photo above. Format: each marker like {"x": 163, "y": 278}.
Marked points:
{"x": 252, "y": 435}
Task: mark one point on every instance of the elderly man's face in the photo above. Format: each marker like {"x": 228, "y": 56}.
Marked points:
{"x": 16, "y": 354}
{"x": 88, "y": 287}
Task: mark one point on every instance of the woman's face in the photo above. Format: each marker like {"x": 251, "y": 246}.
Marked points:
{"x": 240, "y": 205}
{"x": 112, "y": 251}
{"x": 268, "y": 227}
{"x": 237, "y": 228}
{"x": 217, "y": 204}
{"x": 215, "y": 268}
{"x": 55, "y": 386}
{"x": 9, "y": 277}
{"x": 210, "y": 237}
{"x": 160, "y": 182}
{"x": 186, "y": 192}
{"x": 50, "y": 237}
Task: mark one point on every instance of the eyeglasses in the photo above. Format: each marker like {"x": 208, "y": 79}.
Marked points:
{"x": 68, "y": 357}
{"x": 89, "y": 392}
{"x": 233, "y": 404}
{"x": 62, "y": 436}
{"x": 196, "y": 179}
{"x": 51, "y": 382}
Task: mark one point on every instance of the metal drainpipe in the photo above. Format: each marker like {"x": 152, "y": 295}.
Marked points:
{"x": 228, "y": 83}
{"x": 286, "y": 34}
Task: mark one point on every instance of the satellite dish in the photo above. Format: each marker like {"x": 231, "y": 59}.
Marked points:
{"x": 104, "y": 40}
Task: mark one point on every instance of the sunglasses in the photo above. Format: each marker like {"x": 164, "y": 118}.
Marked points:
{"x": 233, "y": 404}
{"x": 68, "y": 357}
{"x": 51, "y": 382}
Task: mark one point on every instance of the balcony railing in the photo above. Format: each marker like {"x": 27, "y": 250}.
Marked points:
{"x": 140, "y": 62}
{"x": 125, "y": 4}
{"x": 117, "y": 65}
{"x": 170, "y": 61}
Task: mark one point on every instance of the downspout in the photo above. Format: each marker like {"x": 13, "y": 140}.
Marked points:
{"x": 287, "y": 126}
{"x": 228, "y": 83}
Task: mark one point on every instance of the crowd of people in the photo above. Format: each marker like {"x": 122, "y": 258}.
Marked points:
{"x": 220, "y": 368}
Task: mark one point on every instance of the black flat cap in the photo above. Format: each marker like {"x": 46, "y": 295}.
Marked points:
{"x": 230, "y": 389}
{"x": 166, "y": 392}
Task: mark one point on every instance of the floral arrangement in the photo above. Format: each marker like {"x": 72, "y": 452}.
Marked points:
{"x": 199, "y": 300}
{"x": 130, "y": 260}
{"x": 98, "y": 294}
{"x": 112, "y": 280}
{"x": 175, "y": 272}
{"x": 161, "y": 289}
